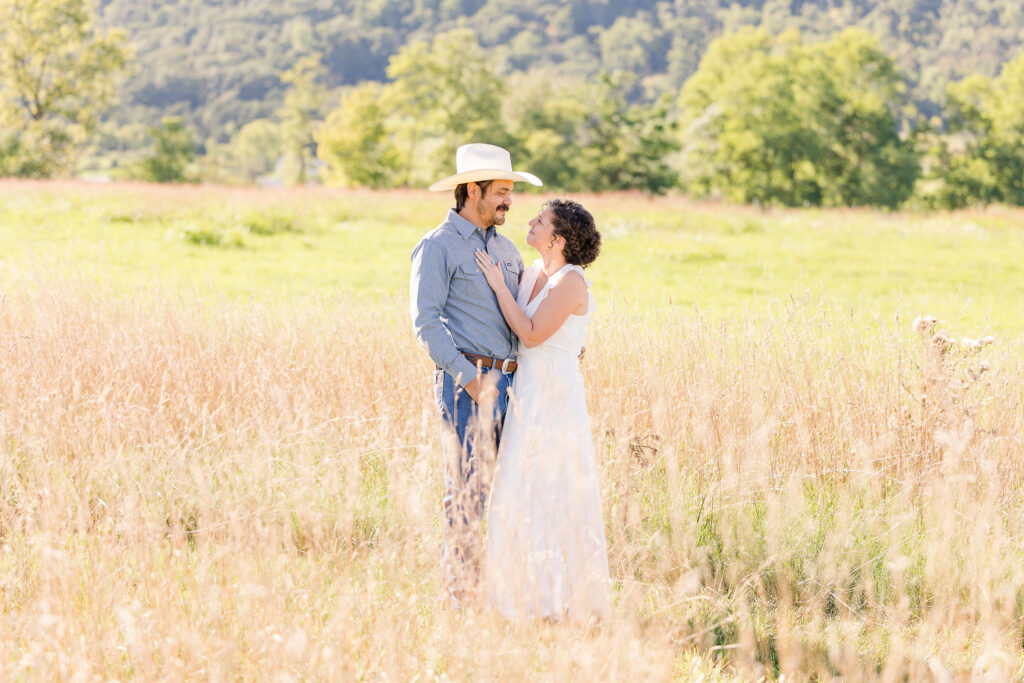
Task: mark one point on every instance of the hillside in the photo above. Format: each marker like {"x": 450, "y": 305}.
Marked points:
{"x": 218, "y": 63}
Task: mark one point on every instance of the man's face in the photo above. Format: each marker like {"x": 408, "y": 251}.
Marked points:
{"x": 496, "y": 202}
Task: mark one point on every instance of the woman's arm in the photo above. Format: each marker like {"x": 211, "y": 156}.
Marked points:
{"x": 564, "y": 297}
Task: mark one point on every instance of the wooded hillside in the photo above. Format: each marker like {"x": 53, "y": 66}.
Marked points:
{"x": 218, "y": 64}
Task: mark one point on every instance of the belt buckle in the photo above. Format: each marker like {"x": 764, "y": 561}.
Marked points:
{"x": 504, "y": 366}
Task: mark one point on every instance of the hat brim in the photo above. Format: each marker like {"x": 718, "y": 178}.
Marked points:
{"x": 453, "y": 181}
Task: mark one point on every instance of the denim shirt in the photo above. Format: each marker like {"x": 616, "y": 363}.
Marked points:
{"x": 453, "y": 307}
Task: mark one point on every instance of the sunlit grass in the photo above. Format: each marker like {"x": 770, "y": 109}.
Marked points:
{"x": 276, "y": 244}
{"x": 209, "y": 470}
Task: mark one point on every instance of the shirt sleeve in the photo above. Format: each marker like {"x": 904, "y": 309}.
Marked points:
{"x": 428, "y": 293}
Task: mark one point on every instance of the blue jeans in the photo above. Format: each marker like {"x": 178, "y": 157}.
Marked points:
{"x": 470, "y": 444}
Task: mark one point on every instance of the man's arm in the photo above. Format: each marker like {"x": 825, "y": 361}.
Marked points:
{"x": 428, "y": 292}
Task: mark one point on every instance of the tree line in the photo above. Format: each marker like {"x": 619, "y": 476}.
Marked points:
{"x": 216, "y": 63}
{"x": 773, "y": 119}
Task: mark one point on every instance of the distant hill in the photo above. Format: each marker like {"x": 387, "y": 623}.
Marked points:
{"x": 217, "y": 62}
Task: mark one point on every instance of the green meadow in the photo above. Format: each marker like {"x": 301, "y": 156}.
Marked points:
{"x": 275, "y": 244}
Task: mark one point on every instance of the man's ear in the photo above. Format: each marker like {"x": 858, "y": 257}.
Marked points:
{"x": 473, "y": 191}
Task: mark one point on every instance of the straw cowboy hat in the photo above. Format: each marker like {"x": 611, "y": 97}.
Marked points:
{"x": 479, "y": 161}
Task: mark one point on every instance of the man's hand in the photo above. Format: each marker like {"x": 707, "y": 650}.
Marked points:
{"x": 483, "y": 389}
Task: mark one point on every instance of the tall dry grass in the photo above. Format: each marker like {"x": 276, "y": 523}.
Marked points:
{"x": 196, "y": 487}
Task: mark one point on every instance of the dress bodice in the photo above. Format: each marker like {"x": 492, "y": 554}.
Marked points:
{"x": 572, "y": 335}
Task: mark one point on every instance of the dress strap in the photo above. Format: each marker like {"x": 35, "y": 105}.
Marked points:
{"x": 571, "y": 267}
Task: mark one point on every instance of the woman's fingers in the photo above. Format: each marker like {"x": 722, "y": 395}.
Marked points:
{"x": 487, "y": 267}
{"x": 483, "y": 260}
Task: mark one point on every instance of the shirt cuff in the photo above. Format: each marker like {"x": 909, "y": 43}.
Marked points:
{"x": 462, "y": 370}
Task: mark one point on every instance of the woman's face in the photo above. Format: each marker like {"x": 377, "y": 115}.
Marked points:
{"x": 542, "y": 231}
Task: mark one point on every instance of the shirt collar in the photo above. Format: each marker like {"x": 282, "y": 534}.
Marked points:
{"x": 464, "y": 227}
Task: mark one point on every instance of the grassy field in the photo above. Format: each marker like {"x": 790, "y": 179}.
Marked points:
{"x": 219, "y": 455}
{"x": 271, "y": 244}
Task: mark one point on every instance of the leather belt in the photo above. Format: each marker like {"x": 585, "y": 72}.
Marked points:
{"x": 505, "y": 365}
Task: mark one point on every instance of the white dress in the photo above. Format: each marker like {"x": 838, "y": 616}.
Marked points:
{"x": 546, "y": 552}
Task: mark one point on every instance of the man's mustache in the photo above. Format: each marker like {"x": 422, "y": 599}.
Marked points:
{"x": 503, "y": 206}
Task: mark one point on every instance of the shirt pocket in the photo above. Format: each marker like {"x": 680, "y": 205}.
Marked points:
{"x": 470, "y": 279}
{"x": 512, "y": 273}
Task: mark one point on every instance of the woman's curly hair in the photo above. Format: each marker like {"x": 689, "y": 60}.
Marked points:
{"x": 576, "y": 226}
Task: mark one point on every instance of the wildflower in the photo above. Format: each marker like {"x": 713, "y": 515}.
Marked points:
{"x": 969, "y": 344}
{"x": 942, "y": 342}
{"x": 985, "y": 341}
{"x": 924, "y": 323}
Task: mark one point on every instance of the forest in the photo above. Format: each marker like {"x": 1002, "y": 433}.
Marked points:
{"x": 217, "y": 64}
{"x": 759, "y": 101}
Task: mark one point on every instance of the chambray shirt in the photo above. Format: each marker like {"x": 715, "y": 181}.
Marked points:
{"x": 453, "y": 307}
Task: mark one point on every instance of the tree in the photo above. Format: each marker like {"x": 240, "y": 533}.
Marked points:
{"x": 587, "y": 136}
{"x": 303, "y": 101}
{"x": 858, "y": 110}
{"x": 623, "y": 146}
{"x": 255, "y": 149}
{"x": 175, "y": 148}
{"x": 354, "y": 141}
{"x": 741, "y": 136}
{"x": 445, "y": 93}
{"x": 549, "y": 112}
{"x": 986, "y": 120}
{"x": 632, "y": 44}
{"x": 772, "y": 120}
{"x": 57, "y": 75}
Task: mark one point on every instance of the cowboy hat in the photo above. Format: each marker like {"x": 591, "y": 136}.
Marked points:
{"x": 479, "y": 161}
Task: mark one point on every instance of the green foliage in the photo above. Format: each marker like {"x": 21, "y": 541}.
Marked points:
{"x": 984, "y": 161}
{"x": 255, "y": 149}
{"x": 354, "y": 142}
{"x": 303, "y": 101}
{"x": 635, "y": 44}
{"x": 803, "y": 123}
{"x": 623, "y": 146}
{"x": 587, "y": 136}
{"x": 174, "y": 150}
{"x": 444, "y": 94}
{"x": 57, "y": 75}
{"x": 575, "y": 135}
{"x": 268, "y": 224}
{"x": 774, "y": 120}
{"x": 217, "y": 64}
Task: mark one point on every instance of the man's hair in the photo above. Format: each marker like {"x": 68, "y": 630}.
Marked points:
{"x": 576, "y": 226}
{"x": 462, "y": 192}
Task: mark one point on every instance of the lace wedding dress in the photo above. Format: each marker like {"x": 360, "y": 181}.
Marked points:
{"x": 546, "y": 553}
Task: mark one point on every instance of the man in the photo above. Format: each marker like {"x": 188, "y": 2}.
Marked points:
{"x": 457, "y": 318}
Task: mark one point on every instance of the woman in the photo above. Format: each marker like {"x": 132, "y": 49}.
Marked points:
{"x": 546, "y": 553}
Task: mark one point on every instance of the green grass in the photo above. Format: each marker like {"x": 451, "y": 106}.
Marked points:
{"x": 272, "y": 244}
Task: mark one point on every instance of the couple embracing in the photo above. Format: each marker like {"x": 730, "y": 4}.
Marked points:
{"x": 506, "y": 341}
